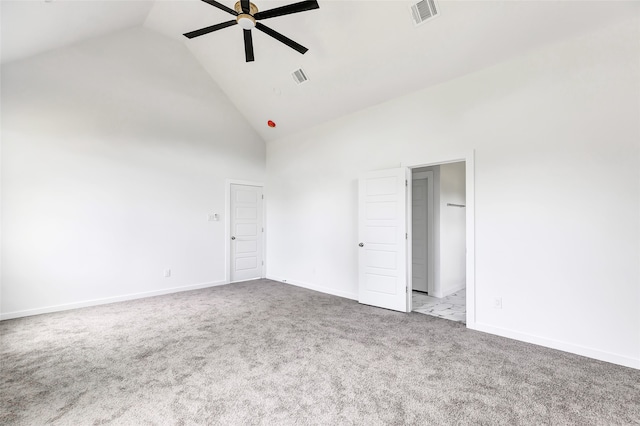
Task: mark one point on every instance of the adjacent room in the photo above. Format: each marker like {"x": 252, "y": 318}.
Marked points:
{"x": 319, "y": 212}
{"x": 438, "y": 241}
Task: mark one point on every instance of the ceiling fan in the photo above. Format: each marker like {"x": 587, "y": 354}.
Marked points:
{"x": 247, "y": 15}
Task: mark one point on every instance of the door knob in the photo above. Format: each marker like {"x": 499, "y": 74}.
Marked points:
{"x": 361, "y": 245}
{"x": 233, "y": 238}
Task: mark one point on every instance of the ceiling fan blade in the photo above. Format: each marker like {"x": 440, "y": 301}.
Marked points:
{"x": 221, "y": 7}
{"x": 245, "y": 6}
{"x": 248, "y": 46}
{"x": 207, "y": 30}
{"x": 288, "y": 9}
{"x": 292, "y": 44}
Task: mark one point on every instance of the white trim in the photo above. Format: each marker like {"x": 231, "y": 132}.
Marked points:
{"x": 227, "y": 225}
{"x": 322, "y": 289}
{"x": 468, "y": 158}
{"x": 243, "y": 182}
{"x": 107, "y": 300}
{"x": 559, "y": 345}
{"x": 244, "y": 281}
{"x": 408, "y": 202}
{"x": 421, "y": 175}
{"x": 470, "y": 200}
{"x": 457, "y": 289}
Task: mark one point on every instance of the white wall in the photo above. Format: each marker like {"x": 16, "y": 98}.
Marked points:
{"x": 114, "y": 153}
{"x": 452, "y": 228}
{"x": 557, "y": 182}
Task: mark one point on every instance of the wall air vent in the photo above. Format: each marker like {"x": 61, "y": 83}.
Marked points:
{"x": 300, "y": 76}
{"x": 424, "y": 11}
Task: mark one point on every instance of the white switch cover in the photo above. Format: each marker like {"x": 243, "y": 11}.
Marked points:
{"x": 497, "y": 303}
{"x": 214, "y": 217}
{"x": 167, "y": 273}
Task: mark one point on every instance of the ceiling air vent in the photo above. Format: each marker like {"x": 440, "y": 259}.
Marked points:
{"x": 423, "y": 11}
{"x": 299, "y": 76}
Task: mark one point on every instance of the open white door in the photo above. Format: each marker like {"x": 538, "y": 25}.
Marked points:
{"x": 382, "y": 230}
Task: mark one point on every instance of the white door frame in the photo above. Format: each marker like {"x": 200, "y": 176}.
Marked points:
{"x": 468, "y": 158}
{"x": 227, "y": 226}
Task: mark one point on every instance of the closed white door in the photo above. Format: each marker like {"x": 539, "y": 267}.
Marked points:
{"x": 419, "y": 235}
{"x": 382, "y": 220}
{"x": 246, "y": 232}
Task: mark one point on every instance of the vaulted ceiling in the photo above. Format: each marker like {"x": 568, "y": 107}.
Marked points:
{"x": 360, "y": 53}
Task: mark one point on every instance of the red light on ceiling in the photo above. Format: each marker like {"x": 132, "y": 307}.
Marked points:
{"x": 271, "y": 124}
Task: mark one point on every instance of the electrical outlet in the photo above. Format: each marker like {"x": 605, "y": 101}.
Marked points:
{"x": 167, "y": 273}
{"x": 497, "y": 303}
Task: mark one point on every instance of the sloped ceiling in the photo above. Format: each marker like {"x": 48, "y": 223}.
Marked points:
{"x": 360, "y": 52}
{"x": 29, "y": 27}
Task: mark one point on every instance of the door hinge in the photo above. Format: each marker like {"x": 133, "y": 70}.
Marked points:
{"x": 406, "y": 236}
{"x": 263, "y": 263}
{"x": 263, "y": 196}
{"x": 406, "y": 182}
{"x": 262, "y": 229}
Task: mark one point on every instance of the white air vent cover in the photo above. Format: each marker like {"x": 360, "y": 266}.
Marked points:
{"x": 423, "y": 11}
{"x": 300, "y": 76}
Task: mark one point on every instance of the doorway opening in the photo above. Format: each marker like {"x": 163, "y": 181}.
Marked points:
{"x": 385, "y": 238}
{"x": 438, "y": 240}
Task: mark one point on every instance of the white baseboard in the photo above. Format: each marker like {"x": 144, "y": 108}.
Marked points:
{"x": 455, "y": 290}
{"x": 106, "y": 300}
{"x": 559, "y": 345}
{"x": 248, "y": 279}
{"x": 321, "y": 289}
{"x": 511, "y": 334}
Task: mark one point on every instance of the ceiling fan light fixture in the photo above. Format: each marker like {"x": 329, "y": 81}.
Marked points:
{"x": 246, "y": 21}
{"x": 246, "y": 15}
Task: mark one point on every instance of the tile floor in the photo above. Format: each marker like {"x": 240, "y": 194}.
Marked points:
{"x": 452, "y": 307}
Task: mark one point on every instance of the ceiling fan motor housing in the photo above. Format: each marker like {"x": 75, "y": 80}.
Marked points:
{"x": 252, "y": 9}
{"x": 246, "y": 20}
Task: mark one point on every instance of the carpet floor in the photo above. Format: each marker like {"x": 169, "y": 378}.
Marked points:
{"x": 263, "y": 352}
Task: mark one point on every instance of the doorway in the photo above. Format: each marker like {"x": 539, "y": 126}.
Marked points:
{"x": 422, "y": 240}
{"x": 438, "y": 241}
{"x": 245, "y": 231}
{"x": 385, "y": 259}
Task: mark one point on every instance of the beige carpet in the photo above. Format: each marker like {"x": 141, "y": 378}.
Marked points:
{"x": 262, "y": 352}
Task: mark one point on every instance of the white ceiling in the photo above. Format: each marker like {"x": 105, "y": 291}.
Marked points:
{"x": 29, "y": 27}
{"x": 360, "y": 52}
